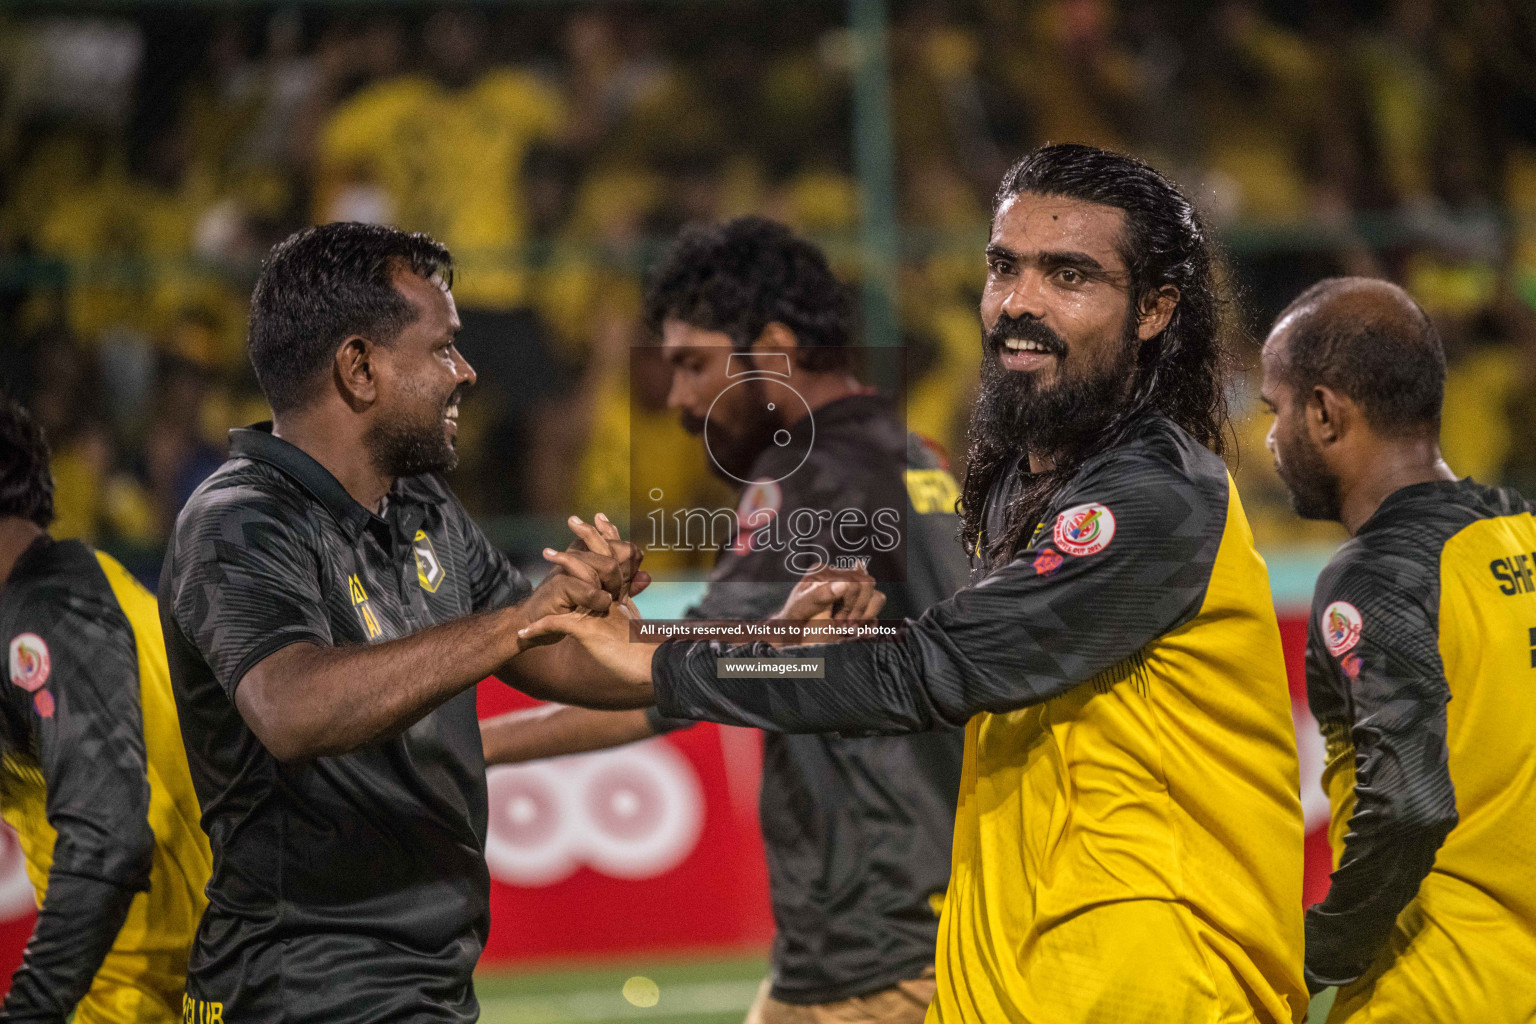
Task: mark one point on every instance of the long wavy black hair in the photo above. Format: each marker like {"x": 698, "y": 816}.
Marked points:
{"x": 1180, "y": 372}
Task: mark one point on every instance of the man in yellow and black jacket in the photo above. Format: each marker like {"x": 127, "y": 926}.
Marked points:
{"x": 94, "y": 777}
{"x": 1128, "y": 843}
{"x": 1421, "y": 670}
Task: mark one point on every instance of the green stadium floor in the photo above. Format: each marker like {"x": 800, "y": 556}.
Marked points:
{"x": 700, "y": 992}
{"x": 716, "y": 991}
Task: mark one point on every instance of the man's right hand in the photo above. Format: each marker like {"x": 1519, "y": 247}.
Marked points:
{"x": 559, "y": 595}
{"x": 828, "y": 593}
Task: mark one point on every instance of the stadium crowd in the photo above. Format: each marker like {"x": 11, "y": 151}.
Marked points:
{"x": 148, "y": 158}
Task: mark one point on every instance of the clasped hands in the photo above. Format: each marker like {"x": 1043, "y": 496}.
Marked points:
{"x": 588, "y": 597}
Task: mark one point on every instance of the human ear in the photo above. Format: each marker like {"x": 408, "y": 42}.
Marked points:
{"x": 1328, "y": 415}
{"x": 777, "y": 338}
{"x": 1154, "y": 310}
{"x": 355, "y": 371}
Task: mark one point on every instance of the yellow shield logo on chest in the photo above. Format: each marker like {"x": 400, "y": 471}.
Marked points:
{"x": 429, "y": 568}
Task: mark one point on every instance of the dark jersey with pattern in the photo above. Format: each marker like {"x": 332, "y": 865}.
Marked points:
{"x": 351, "y": 887}
{"x": 1421, "y": 673}
{"x": 856, "y": 830}
{"x": 1128, "y": 730}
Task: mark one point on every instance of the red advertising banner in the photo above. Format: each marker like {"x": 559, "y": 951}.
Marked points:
{"x": 653, "y": 847}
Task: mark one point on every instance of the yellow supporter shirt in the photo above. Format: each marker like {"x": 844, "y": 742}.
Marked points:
{"x": 450, "y": 162}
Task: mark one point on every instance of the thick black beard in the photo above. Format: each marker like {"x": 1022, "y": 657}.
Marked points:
{"x": 1014, "y": 413}
{"x": 734, "y": 446}
{"x": 404, "y": 447}
{"x": 1314, "y": 489}
{"x": 1014, "y": 416}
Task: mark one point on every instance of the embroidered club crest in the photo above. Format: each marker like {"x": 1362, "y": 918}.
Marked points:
{"x": 1341, "y": 627}
{"x": 1085, "y": 530}
{"x": 1047, "y": 562}
{"x": 30, "y": 662}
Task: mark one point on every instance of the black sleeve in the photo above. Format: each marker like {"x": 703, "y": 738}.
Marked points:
{"x": 243, "y": 582}
{"x": 1128, "y": 557}
{"x": 75, "y": 929}
{"x": 752, "y": 581}
{"x": 1374, "y": 676}
{"x": 661, "y": 724}
{"x": 89, "y": 743}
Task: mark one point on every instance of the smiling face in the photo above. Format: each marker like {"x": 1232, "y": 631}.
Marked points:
{"x": 1058, "y": 331}
{"x": 1057, "y": 295}
{"x": 421, "y": 378}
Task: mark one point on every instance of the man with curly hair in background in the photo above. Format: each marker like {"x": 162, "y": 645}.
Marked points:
{"x": 857, "y": 830}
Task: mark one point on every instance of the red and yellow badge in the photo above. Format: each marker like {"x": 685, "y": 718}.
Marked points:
{"x": 30, "y": 663}
{"x": 1047, "y": 562}
{"x": 760, "y": 502}
{"x": 1341, "y": 627}
{"x": 1085, "y": 529}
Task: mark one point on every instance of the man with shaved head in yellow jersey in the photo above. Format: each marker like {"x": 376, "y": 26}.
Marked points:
{"x": 1421, "y": 670}
{"x": 1128, "y": 843}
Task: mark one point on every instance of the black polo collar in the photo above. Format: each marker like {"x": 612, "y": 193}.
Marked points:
{"x": 258, "y": 442}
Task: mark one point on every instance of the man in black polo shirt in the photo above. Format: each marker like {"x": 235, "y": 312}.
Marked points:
{"x": 328, "y": 606}
{"x": 857, "y": 830}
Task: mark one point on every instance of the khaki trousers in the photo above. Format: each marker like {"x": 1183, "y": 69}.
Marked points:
{"x": 906, "y": 1002}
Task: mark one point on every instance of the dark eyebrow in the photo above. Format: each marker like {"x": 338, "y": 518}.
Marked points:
{"x": 1077, "y": 260}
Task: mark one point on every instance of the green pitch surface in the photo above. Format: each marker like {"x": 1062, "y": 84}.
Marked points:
{"x": 702, "y": 992}
{"x": 699, "y": 992}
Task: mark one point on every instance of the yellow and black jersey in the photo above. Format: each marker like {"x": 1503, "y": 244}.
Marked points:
{"x": 95, "y": 782}
{"x": 1128, "y": 844}
{"x": 1421, "y": 670}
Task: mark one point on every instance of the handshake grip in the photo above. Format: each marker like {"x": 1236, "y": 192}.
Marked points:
{"x": 596, "y": 571}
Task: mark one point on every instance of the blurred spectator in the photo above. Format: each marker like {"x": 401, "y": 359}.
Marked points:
{"x": 148, "y": 160}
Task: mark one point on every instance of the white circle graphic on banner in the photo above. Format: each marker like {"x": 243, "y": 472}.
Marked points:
{"x": 635, "y": 812}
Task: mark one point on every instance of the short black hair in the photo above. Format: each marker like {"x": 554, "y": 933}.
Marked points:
{"x": 324, "y": 284}
{"x": 742, "y": 275}
{"x": 26, "y": 484}
{"x": 1367, "y": 339}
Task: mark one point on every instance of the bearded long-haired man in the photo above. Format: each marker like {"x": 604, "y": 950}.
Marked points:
{"x": 1128, "y": 845}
